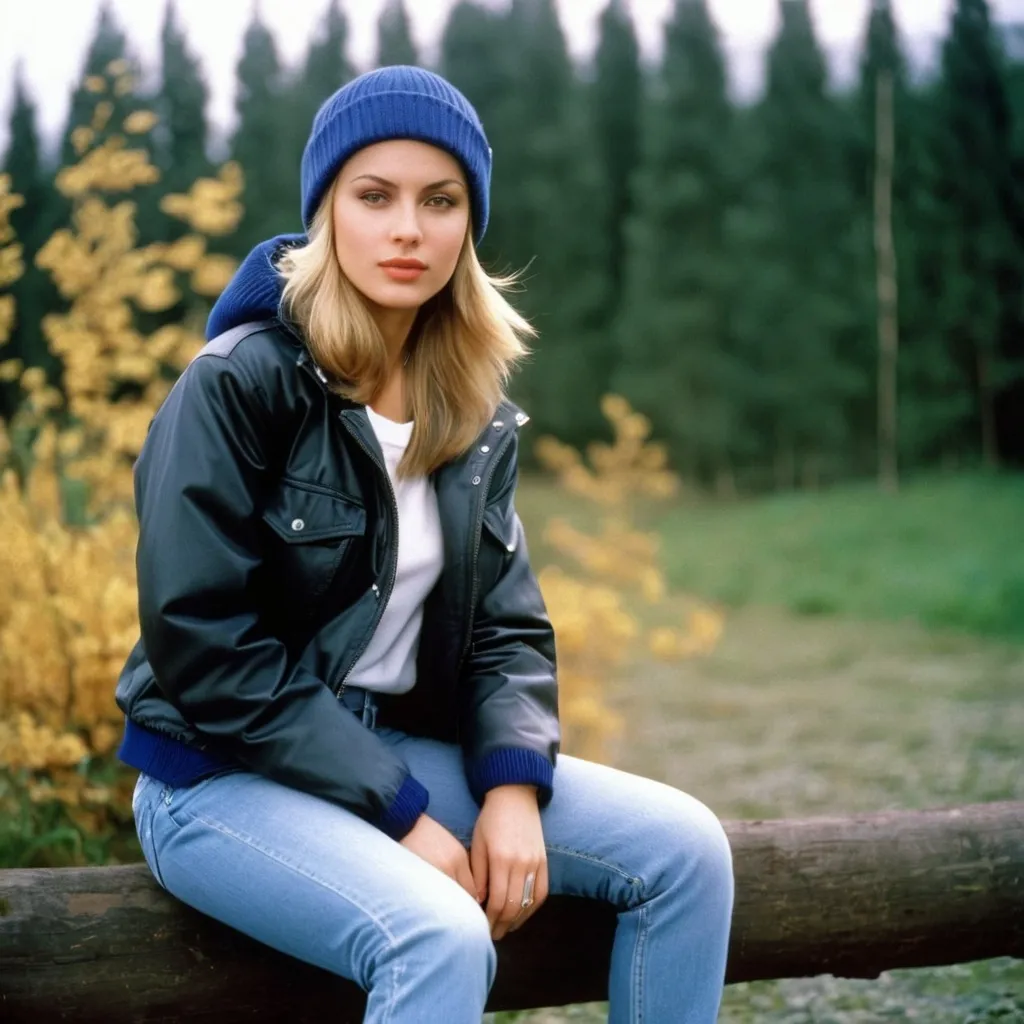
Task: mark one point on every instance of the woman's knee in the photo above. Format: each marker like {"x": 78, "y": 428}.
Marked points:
{"x": 452, "y": 930}
{"x": 690, "y": 845}
{"x": 707, "y": 845}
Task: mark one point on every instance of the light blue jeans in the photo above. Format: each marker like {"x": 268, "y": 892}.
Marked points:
{"x": 311, "y": 879}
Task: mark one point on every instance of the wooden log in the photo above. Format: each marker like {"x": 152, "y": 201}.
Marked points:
{"x": 850, "y": 896}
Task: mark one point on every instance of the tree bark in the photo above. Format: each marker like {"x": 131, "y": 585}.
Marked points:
{"x": 847, "y": 896}
{"x": 986, "y": 404}
{"x": 885, "y": 283}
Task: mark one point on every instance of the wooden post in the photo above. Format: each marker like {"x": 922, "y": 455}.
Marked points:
{"x": 850, "y": 896}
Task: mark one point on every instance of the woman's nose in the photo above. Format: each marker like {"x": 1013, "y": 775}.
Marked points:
{"x": 406, "y": 226}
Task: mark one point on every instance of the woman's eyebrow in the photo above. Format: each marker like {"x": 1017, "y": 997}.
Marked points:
{"x": 426, "y": 188}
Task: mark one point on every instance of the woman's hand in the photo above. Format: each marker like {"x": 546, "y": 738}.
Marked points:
{"x": 437, "y": 846}
{"x": 508, "y": 845}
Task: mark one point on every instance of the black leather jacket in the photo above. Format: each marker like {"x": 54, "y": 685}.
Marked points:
{"x": 266, "y": 553}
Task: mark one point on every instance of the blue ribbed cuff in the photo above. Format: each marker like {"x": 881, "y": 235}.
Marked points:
{"x": 410, "y": 802}
{"x": 165, "y": 758}
{"x": 511, "y": 766}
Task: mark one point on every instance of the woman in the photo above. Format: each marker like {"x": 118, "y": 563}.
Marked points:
{"x": 343, "y": 701}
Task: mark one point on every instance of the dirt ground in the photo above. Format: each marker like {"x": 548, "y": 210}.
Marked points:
{"x": 795, "y": 717}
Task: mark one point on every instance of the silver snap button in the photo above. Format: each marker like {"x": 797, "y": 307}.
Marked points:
{"x": 510, "y": 547}
{"x": 485, "y": 448}
{"x": 476, "y": 480}
{"x": 298, "y": 524}
{"x": 521, "y": 418}
{"x": 498, "y": 424}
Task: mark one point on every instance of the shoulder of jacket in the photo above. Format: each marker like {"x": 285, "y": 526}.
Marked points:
{"x": 265, "y": 340}
{"x": 261, "y": 355}
{"x": 257, "y": 359}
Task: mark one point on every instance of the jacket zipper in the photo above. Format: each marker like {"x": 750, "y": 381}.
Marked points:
{"x": 382, "y": 598}
{"x": 477, "y": 530}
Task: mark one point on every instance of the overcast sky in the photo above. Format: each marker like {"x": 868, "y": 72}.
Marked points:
{"x": 50, "y": 36}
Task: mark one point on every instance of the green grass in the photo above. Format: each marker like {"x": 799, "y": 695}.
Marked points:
{"x": 946, "y": 552}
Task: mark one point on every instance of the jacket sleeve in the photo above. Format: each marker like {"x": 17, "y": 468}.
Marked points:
{"x": 509, "y": 714}
{"x": 199, "y": 485}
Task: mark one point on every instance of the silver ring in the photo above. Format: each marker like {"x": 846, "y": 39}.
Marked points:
{"x": 527, "y": 900}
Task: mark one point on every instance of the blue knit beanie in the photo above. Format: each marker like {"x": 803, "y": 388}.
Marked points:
{"x": 397, "y": 102}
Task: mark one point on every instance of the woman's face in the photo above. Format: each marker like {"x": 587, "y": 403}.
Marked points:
{"x": 401, "y": 213}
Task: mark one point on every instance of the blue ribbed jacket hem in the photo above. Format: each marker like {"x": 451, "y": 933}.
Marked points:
{"x": 178, "y": 764}
{"x": 165, "y": 758}
{"x": 410, "y": 802}
{"x": 511, "y": 766}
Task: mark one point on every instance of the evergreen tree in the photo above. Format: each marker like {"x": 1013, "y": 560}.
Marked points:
{"x": 32, "y": 223}
{"x": 178, "y": 141}
{"x": 1010, "y": 399}
{"x": 674, "y": 336}
{"x": 548, "y": 213}
{"x": 804, "y": 282}
{"x": 394, "y": 36}
{"x": 181, "y": 106}
{"x": 617, "y": 103}
{"x": 107, "y": 48}
{"x": 474, "y": 60}
{"x": 885, "y": 110}
{"x": 979, "y": 238}
{"x": 178, "y": 150}
{"x": 325, "y": 69}
{"x": 260, "y": 140}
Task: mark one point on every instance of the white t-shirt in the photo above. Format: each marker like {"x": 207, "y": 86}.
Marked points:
{"x": 388, "y": 665}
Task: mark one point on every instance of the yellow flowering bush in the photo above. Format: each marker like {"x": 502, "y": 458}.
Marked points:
{"x": 68, "y": 613}
{"x": 599, "y": 609}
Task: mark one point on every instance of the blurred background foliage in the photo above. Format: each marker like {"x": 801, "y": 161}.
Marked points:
{"x": 827, "y": 343}
{"x": 713, "y": 262}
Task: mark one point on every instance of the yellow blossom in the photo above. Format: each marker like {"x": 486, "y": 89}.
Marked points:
{"x": 6, "y": 318}
{"x": 139, "y": 122}
{"x": 10, "y": 369}
{"x": 212, "y": 275}
{"x": 82, "y": 138}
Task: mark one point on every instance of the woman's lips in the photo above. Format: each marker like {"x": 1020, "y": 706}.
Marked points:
{"x": 402, "y": 273}
{"x": 399, "y": 269}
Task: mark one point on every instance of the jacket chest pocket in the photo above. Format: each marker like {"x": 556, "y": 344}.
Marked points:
{"x": 315, "y": 532}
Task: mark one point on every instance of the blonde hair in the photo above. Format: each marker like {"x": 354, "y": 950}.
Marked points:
{"x": 462, "y": 349}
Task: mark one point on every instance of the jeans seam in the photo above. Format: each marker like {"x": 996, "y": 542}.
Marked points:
{"x": 143, "y": 816}
{"x": 278, "y": 859}
{"x": 398, "y": 969}
{"x": 638, "y": 959}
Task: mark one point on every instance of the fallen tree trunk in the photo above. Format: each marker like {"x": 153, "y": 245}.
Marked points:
{"x": 848, "y": 896}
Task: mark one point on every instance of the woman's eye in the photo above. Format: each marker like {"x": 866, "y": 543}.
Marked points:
{"x": 443, "y": 201}
{"x": 372, "y": 197}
